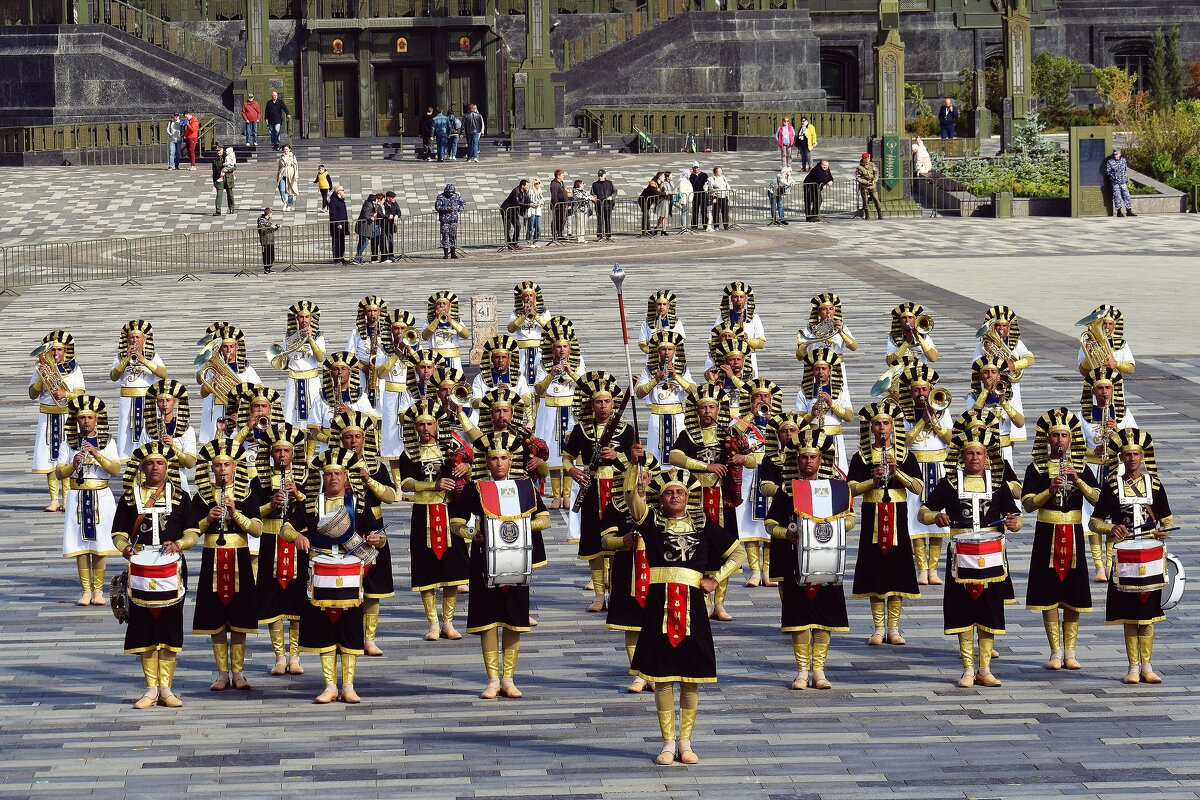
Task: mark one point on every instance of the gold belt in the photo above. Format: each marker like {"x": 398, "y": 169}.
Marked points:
{"x": 928, "y": 456}
{"x": 1005, "y": 440}
{"x": 52, "y": 408}
{"x": 877, "y": 496}
{"x": 93, "y": 484}
{"x": 231, "y": 540}
{"x": 527, "y": 343}
{"x": 447, "y": 352}
{"x": 134, "y": 391}
{"x": 666, "y": 408}
{"x": 832, "y": 430}
{"x": 689, "y": 577}
{"x": 392, "y": 386}
{"x": 1060, "y": 517}
{"x": 303, "y": 375}
{"x": 558, "y": 401}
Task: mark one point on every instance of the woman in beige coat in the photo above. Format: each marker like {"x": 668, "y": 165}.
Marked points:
{"x": 287, "y": 175}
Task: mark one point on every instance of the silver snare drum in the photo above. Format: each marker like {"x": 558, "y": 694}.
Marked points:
{"x": 821, "y": 553}
{"x": 509, "y": 545}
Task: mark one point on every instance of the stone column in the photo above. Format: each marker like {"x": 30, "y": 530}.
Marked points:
{"x": 1018, "y": 66}
{"x": 539, "y": 112}
{"x": 889, "y": 98}
{"x": 258, "y": 74}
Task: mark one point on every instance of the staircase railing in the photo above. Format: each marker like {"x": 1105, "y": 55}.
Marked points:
{"x": 103, "y": 143}
{"x": 714, "y": 122}
{"x": 619, "y": 29}
{"x": 156, "y": 31}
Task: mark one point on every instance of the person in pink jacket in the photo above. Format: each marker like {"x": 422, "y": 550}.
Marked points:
{"x": 785, "y": 138}
{"x": 191, "y": 135}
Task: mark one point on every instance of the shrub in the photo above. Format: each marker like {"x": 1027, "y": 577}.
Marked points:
{"x": 1053, "y": 78}
{"x": 926, "y": 123}
{"x": 1034, "y": 167}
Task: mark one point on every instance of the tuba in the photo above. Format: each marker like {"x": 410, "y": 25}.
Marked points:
{"x": 216, "y": 373}
{"x": 995, "y": 346}
{"x": 51, "y": 378}
{"x": 1096, "y": 349}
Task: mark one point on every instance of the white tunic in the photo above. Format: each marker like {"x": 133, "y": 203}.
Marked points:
{"x": 1019, "y": 434}
{"x": 554, "y": 423}
{"x": 837, "y": 344}
{"x": 753, "y": 329}
{"x": 804, "y": 405}
{"x": 127, "y": 427}
{"x": 105, "y": 507}
{"x": 914, "y": 349}
{"x": 751, "y": 513}
{"x": 927, "y": 441}
{"x": 391, "y": 387}
{"x": 448, "y": 344}
{"x": 516, "y": 383}
{"x": 323, "y": 415}
{"x": 646, "y": 332}
{"x": 185, "y": 442}
{"x": 44, "y": 458}
{"x": 211, "y": 410}
{"x": 663, "y": 428}
{"x": 361, "y": 348}
{"x": 529, "y": 342}
{"x": 302, "y": 362}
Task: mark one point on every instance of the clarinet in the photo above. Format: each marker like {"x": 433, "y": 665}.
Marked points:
{"x": 222, "y": 521}
{"x": 1064, "y": 490}
{"x": 887, "y": 465}
{"x": 287, "y": 497}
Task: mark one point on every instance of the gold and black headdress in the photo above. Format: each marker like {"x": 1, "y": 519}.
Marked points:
{"x": 304, "y": 307}
{"x": 504, "y": 441}
{"x": 218, "y": 450}
{"x": 131, "y": 478}
{"x": 990, "y": 442}
{"x": 873, "y": 411}
{"x": 332, "y": 395}
{"x": 444, "y": 294}
{"x": 183, "y": 414}
{"x": 86, "y": 404}
{"x": 737, "y": 287}
{"x": 1058, "y": 419}
{"x": 136, "y": 326}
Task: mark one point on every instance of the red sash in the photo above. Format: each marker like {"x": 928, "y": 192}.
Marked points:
{"x": 641, "y": 577}
{"x": 225, "y": 573}
{"x": 1064, "y": 550}
{"x": 885, "y": 526}
{"x": 712, "y": 503}
{"x": 604, "y": 490}
{"x": 438, "y": 530}
{"x": 677, "y": 611}
{"x": 811, "y": 590}
{"x": 285, "y": 561}
{"x": 975, "y": 589}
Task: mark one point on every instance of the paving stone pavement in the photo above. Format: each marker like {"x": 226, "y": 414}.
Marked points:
{"x": 894, "y": 726}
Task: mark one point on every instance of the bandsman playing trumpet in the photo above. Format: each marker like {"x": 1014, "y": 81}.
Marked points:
{"x": 134, "y": 369}
{"x": 720, "y": 334}
{"x": 301, "y": 354}
{"x": 221, "y": 366}
{"x": 661, "y": 315}
{"x": 909, "y": 336}
{"x": 763, "y": 401}
{"x": 526, "y": 323}
{"x": 166, "y": 417}
{"x": 444, "y": 332}
{"x": 366, "y": 343}
{"x": 257, "y": 408}
{"x": 86, "y": 461}
{"x": 418, "y": 386}
{"x": 1103, "y": 412}
{"x": 558, "y": 373}
{"x": 738, "y": 308}
{"x": 929, "y": 430}
{"x": 56, "y": 379}
{"x": 1108, "y": 324}
{"x": 731, "y": 371}
{"x": 391, "y": 368}
{"x": 825, "y": 328}
{"x": 991, "y": 390}
{"x": 1000, "y": 336}
{"x": 823, "y": 400}
{"x": 665, "y": 384}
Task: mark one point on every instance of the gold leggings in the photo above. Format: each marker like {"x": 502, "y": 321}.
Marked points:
{"x": 927, "y": 551}
{"x": 90, "y": 567}
{"x": 158, "y": 668}
{"x": 329, "y": 667}
{"x": 509, "y": 643}
{"x": 370, "y": 618}
{"x": 631, "y": 640}
{"x": 886, "y": 612}
{"x": 560, "y": 483}
{"x": 1139, "y": 644}
{"x": 1067, "y": 633}
{"x": 275, "y": 629}
{"x": 966, "y": 650}
{"x": 664, "y": 703}
{"x": 229, "y": 651}
{"x": 57, "y": 487}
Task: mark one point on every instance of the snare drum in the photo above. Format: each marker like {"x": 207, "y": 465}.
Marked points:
{"x": 1141, "y": 565}
{"x": 509, "y": 545}
{"x": 357, "y": 546}
{"x": 821, "y": 554}
{"x": 156, "y": 579}
{"x": 1173, "y": 591}
{"x": 979, "y": 557}
{"x": 335, "y": 581}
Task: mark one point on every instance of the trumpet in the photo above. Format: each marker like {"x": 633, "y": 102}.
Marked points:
{"x": 995, "y": 346}
{"x": 48, "y": 372}
{"x": 713, "y": 375}
{"x": 1003, "y": 389}
{"x": 443, "y": 319}
{"x": 461, "y": 394}
{"x": 289, "y": 345}
{"x": 410, "y": 337}
{"x": 214, "y": 371}
{"x": 940, "y": 399}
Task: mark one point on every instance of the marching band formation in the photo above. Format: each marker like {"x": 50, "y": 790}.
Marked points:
{"x": 284, "y": 493}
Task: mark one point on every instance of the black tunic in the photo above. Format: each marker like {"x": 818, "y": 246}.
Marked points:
{"x": 212, "y": 614}
{"x": 961, "y": 612}
{"x": 692, "y": 660}
{"x": 500, "y": 606}
{"x": 624, "y": 611}
{"x": 1131, "y": 607}
{"x": 594, "y": 519}
{"x": 1047, "y": 590}
{"x": 803, "y": 608}
{"x": 428, "y": 571}
{"x": 280, "y": 586}
{"x": 725, "y": 516}
{"x": 329, "y": 630}
{"x": 378, "y": 582}
{"x": 146, "y": 631}
{"x": 878, "y": 574}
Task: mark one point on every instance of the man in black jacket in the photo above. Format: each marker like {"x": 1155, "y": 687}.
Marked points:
{"x": 559, "y": 197}
{"x": 425, "y": 131}
{"x": 604, "y": 194}
{"x": 472, "y": 129}
{"x": 815, "y": 182}
{"x": 699, "y": 181}
{"x": 339, "y": 223}
{"x": 513, "y": 210}
{"x": 275, "y": 112}
{"x": 948, "y": 118}
{"x": 391, "y": 216}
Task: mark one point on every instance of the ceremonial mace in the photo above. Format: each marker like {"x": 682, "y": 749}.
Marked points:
{"x": 618, "y": 277}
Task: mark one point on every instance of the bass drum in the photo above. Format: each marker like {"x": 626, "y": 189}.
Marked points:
{"x": 1172, "y": 593}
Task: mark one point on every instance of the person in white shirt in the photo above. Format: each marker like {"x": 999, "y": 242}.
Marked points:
{"x": 929, "y": 429}
{"x": 661, "y": 315}
{"x": 1104, "y": 412}
{"x": 55, "y": 380}
{"x": 215, "y": 389}
{"x": 909, "y": 337}
{"x": 1112, "y": 322}
{"x": 826, "y": 328}
{"x": 990, "y": 389}
{"x": 498, "y": 368}
{"x": 340, "y": 392}
{"x": 737, "y": 306}
{"x": 823, "y": 400}
{"x": 391, "y": 370}
{"x": 665, "y": 384}
{"x": 166, "y": 419}
{"x": 1000, "y": 336}
{"x": 302, "y": 362}
{"x": 560, "y": 368}
{"x": 134, "y": 369}
{"x": 718, "y": 189}
{"x": 444, "y": 333}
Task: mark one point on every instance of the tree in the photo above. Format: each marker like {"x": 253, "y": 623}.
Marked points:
{"x": 1156, "y": 79}
{"x": 1115, "y": 87}
{"x": 1053, "y": 78}
{"x": 1175, "y": 69}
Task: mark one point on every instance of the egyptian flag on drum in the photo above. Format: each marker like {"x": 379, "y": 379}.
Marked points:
{"x": 978, "y": 563}
{"x": 507, "y": 500}
{"x": 336, "y": 583}
{"x": 822, "y": 500}
{"x": 1141, "y": 568}
{"x": 154, "y": 586}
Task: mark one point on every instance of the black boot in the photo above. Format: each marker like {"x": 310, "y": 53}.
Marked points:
{"x": 453, "y": 253}
{"x": 1120, "y": 213}
{"x": 445, "y": 253}
{"x": 1129, "y": 212}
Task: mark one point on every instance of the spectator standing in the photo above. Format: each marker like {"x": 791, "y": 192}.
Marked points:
{"x": 719, "y": 188}
{"x": 683, "y": 199}
{"x": 513, "y": 210}
{"x": 559, "y": 198}
{"x": 251, "y": 114}
{"x": 339, "y": 223}
{"x": 648, "y": 202}
{"x": 228, "y": 170}
{"x": 218, "y": 177}
{"x": 441, "y": 130}
{"x": 666, "y": 197}
{"x": 780, "y": 185}
{"x": 533, "y": 216}
{"x": 324, "y": 184}
{"x": 806, "y": 140}
{"x": 448, "y": 205}
{"x": 922, "y": 163}
{"x": 604, "y": 195}
{"x": 948, "y": 118}
{"x": 391, "y": 218}
{"x": 581, "y": 208}
{"x": 455, "y": 130}
{"x": 815, "y": 182}
{"x": 191, "y": 135}
{"x": 367, "y": 228}
{"x": 866, "y": 175}
{"x": 473, "y": 126}
{"x": 699, "y": 181}
{"x": 1116, "y": 171}
{"x": 287, "y": 175}
{"x": 785, "y": 139}
{"x": 266, "y": 239}
{"x": 425, "y": 131}
{"x": 174, "y": 142}
{"x": 276, "y": 112}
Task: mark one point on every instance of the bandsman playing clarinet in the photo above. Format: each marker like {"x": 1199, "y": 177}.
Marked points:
{"x": 763, "y": 401}
{"x": 499, "y": 368}
{"x": 557, "y": 375}
{"x": 929, "y": 430}
{"x": 55, "y": 380}
{"x": 134, "y": 369}
{"x": 1001, "y": 338}
{"x": 366, "y": 344}
{"x": 167, "y": 415}
{"x": 824, "y": 401}
{"x": 341, "y": 393}
{"x": 1104, "y": 412}
{"x": 738, "y": 308}
{"x": 301, "y": 355}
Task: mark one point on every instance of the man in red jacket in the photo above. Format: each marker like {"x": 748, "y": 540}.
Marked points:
{"x": 191, "y": 135}
{"x": 251, "y": 113}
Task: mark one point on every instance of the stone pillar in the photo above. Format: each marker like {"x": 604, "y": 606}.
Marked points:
{"x": 982, "y": 116}
{"x": 889, "y": 98}
{"x": 1018, "y": 65}
{"x": 259, "y": 75}
{"x": 366, "y": 86}
{"x": 538, "y": 112}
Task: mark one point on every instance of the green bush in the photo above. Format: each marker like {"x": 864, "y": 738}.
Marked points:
{"x": 1053, "y": 77}
{"x": 1166, "y": 144}
{"x": 1033, "y": 167}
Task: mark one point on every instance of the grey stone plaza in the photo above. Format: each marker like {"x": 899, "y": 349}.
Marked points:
{"x": 894, "y": 724}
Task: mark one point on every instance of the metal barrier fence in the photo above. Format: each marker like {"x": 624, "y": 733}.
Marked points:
{"x": 131, "y": 260}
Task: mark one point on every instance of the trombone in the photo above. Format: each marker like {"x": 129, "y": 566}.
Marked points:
{"x": 461, "y": 394}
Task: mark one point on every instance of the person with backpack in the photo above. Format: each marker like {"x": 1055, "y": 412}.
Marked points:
{"x": 441, "y": 131}
{"x": 455, "y": 130}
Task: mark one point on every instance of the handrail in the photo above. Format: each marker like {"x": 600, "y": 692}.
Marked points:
{"x": 92, "y": 137}
{"x": 718, "y": 122}
{"x": 156, "y": 31}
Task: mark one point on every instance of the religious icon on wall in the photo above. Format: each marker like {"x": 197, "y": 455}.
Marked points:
{"x": 339, "y": 47}
{"x": 401, "y": 45}
{"x": 464, "y": 45}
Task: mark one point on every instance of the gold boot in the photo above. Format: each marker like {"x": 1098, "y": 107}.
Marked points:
{"x": 512, "y": 647}
{"x": 689, "y": 700}
{"x": 329, "y": 673}
{"x": 349, "y": 664}
{"x": 597, "y": 569}
{"x": 894, "y": 607}
{"x": 98, "y": 576}
{"x": 879, "y": 619}
{"x": 83, "y": 565}
{"x": 984, "y": 676}
{"x": 933, "y": 558}
{"x": 294, "y": 666}
{"x": 820, "y": 651}
{"x": 1133, "y": 653}
{"x": 371, "y": 626}
{"x": 639, "y": 683}
{"x": 1053, "y": 635}
{"x": 237, "y": 660}
{"x": 166, "y": 675}
{"x": 919, "y": 546}
{"x": 1146, "y": 651}
{"x": 755, "y": 568}
{"x": 150, "y": 672}
{"x": 766, "y": 566}
{"x": 429, "y": 602}
{"x": 801, "y": 649}
{"x": 275, "y": 630}
{"x": 54, "y": 484}
{"x": 491, "y": 663}
{"x": 449, "y": 603}
{"x": 220, "y": 648}
{"x": 664, "y": 704}
{"x": 1098, "y": 558}
{"x": 966, "y": 652}
{"x": 718, "y": 610}
{"x": 1070, "y": 638}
